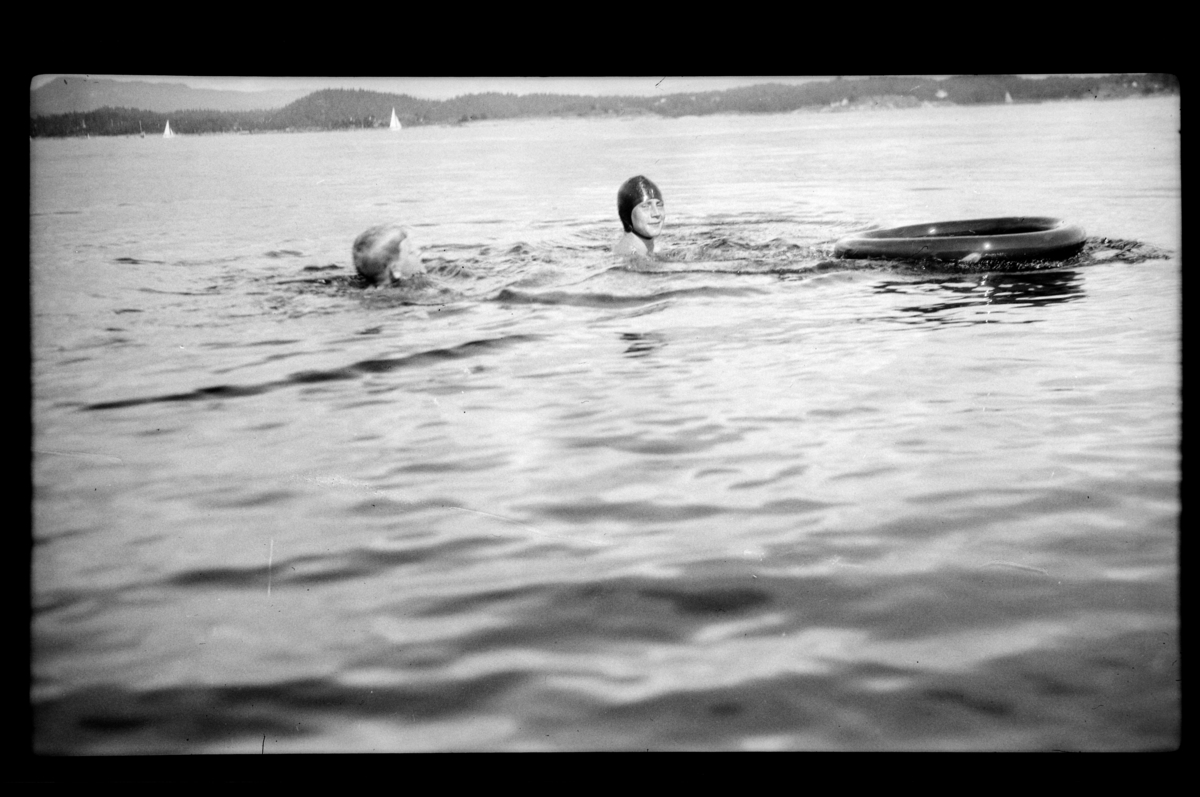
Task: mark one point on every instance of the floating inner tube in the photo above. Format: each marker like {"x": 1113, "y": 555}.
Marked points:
{"x": 1009, "y": 238}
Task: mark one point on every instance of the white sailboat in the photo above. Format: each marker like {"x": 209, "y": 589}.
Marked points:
{"x": 167, "y": 133}
{"x": 395, "y": 125}
{"x": 1008, "y": 98}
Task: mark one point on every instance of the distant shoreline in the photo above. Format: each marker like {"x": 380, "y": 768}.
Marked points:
{"x": 861, "y": 107}
{"x": 342, "y": 109}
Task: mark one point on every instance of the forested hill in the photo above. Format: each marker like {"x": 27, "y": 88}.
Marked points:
{"x": 338, "y": 109}
{"x": 71, "y": 94}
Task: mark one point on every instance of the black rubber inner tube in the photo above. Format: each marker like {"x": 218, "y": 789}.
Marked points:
{"x": 1008, "y": 238}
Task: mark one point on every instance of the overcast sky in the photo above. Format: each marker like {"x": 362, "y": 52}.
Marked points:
{"x": 440, "y": 88}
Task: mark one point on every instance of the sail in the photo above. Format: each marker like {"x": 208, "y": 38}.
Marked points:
{"x": 167, "y": 133}
{"x": 395, "y": 125}
{"x": 1007, "y": 97}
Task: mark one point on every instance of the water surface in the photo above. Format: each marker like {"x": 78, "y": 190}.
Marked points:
{"x": 750, "y": 498}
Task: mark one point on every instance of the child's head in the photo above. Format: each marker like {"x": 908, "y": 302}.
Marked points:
{"x": 386, "y": 252}
{"x": 632, "y": 195}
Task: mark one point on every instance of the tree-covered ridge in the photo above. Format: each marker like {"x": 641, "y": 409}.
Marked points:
{"x": 339, "y": 109}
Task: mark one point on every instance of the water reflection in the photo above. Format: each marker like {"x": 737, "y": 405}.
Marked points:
{"x": 958, "y": 299}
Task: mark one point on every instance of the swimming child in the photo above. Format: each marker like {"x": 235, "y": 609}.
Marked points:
{"x": 640, "y": 206}
{"x": 385, "y": 253}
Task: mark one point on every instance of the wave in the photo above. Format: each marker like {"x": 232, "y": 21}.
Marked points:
{"x": 719, "y": 248}
{"x": 352, "y": 371}
{"x": 714, "y": 658}
{"x": 509, "y": 296}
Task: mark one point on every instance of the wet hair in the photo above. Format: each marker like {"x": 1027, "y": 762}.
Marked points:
{"x": 632, "y": 193}
{"x": 378, "y": 249}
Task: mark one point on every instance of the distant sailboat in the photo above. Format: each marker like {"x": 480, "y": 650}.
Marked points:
{"x": 395, "y": 125}
{"x": 1008, "y": 97}
{"x": 167, "y": 133}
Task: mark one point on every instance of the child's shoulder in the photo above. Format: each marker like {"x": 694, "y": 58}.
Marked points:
{"x": 630, "y": 244}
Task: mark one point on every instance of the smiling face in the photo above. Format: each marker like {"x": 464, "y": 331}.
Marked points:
{"x": 648, "y": 218}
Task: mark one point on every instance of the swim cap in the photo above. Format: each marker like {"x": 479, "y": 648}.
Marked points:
{"x": 632, "y": 193}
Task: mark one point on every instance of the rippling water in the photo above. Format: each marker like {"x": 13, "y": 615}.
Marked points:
{"x": 749, "y": 498}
